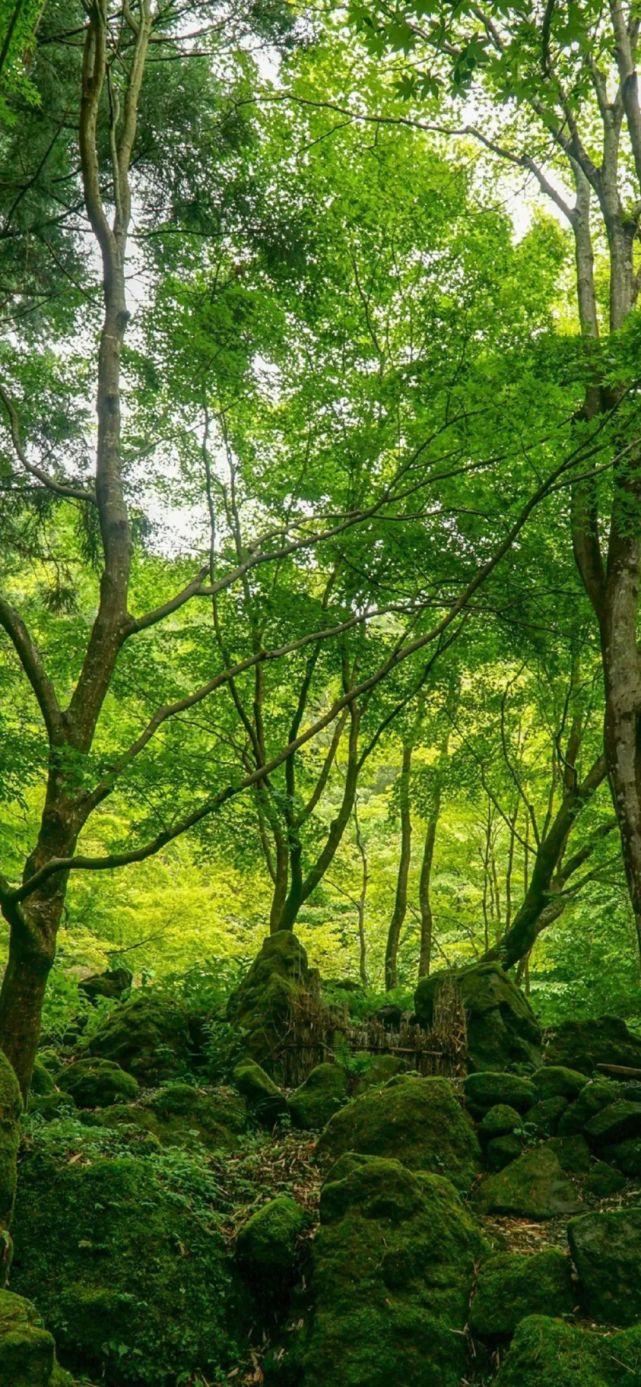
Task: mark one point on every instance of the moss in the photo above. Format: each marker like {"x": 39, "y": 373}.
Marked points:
{"x": 49, "y": 1106}
{"x": 502, "y": 1028}
{"x": 264, "y": 1001}
{"x": 487, "y": 1089}
{"x": 96, "y": 1083}
{"x": 377, "y": 1070}
{"x": 627, "y": 1157}
{"x": 415, "y": 1120}
{"x": 593, "y": 1097}
{"x": 133, "y": 1280}
{"x": 606, "y": 1249}
{"x": 267, "y": 1247}
{"x": 603, "y": 1180}
{"x": 533, "y": 1186}
{"x": 554, "y": 1080}
{"x": 148, "y": 1035}
{"x": 513, "y": 1285}
{"x": 41, "y": 1080}
{"x": 572, "y": 1153}
{"x": 27, "y": 1350}
{"x": 262, "y": 1096}
{"x": 549, "y": 1353}
{"x": 583, "y": 1045}
{"x": 546, "y": 1114}
{"x": 393, "y": 1264}
{"x": 616, "y": 1122}
{"x": 319, "y": 1097}
{"x": 501, "y": 1151}
{"x": 10, "y": 1110}
{"x": 498, "y": 1121}
{"x": 178, "y": 1113}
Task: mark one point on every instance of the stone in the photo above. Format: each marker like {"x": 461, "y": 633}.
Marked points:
{"x": 96, "y": 1083}
{"x": 603, "y": 1180}
{"x": 264, "y": 1002}
{"x": 546, "y": 1114}
{"x": 606, "y": 1250}
{"x": 42, "y": 1080}
{"x": 583, "y": 1045}
{"x": 148, "y": 1035}
{"x": 593, "y": 1097}
{"x": 416, "y": 1121}
{"x": 178, "y": 1114}
{"x": 323, "y": 1092}
{"x": 118, "y": 1254}
{"x": 547, "y": 1352}
{"x": 502, "y": 1028}
{"x": 615, "y": 1123}
{"x": 499, "y": 1121}
{"x": 533, "y": 1186}
{"x": 626, "y": 1155}
{"x": 262, "y": 1096}
{"x": 27, "y": 1350}
{"x": 487, "y": 1088}
{"x": 501, "y": 1151}
{"x": 377, "y": 1070}
{"x": 114, "y": 982}
{"x": 267, "y": 1247}
{"x": 512, "y": 1285}
{"x": 555, "y": 1080}
{"x": 572, "y": 1153}
{"x": 392, "y": 1269}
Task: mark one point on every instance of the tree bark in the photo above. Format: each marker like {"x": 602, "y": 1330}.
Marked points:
{"x": 424, "y": 892}
{"x": 400, "y": 902}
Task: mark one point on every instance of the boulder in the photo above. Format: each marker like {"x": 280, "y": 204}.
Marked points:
{"x": 114, "y": 982}
{"x": 606, "y": 1250}
{"x": 392, "y": 1268}
{"x": 265, "y": 1001}
{"x": 148, "y": 1035}
{"x": 549, "y": 1353}
{"x": 582, "y": 1045}
{"x": 502, "y": 1029}
{"x": 42, "y": 1080}
{"x": 616, "y": 1122}
{"x": 546, "y": 1115}
{"x": 512, "y": 1285}
{"x": 27, "y": 1350}
{"x": 119, "y": 1255}
{"x": 626, "y": 1155}
{"x": 603, "y": 1180}
{"x": 376, "y": 1070}
{"x": 593, "y": 1097}
{"x": 96, "y": 1083}
{"x": 319, "y": 1097}
{"x": 572, "y": 1153}
{"x": 267, "y": 1248}
{"x": 554, "y": 1080}
{"x": 416, "y": 1121}
{"x": 499, "y": 1121}
{"x": 487, "y": 1088}
{"x": 177, "y": 1114}
{"x": 262, "y": 1096}
{"x": 501, "y": 1151}
{"x": 533, "y": 1186}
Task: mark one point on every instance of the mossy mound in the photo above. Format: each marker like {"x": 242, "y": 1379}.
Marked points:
{"x": 554, "y": 1080}
{"x": 42, "y": 1080}
{"x": 616, "y": 1122}
{"x": 393, "y": 1265}
{"x": 133, "y": 1281}
{"x": 97, "y": 1083}
{"x": 513, "y": 1285}
{"x": 572, "y": 1153}
{"x": 582, "y": 1045}
{"x": 626, "y": 1155}
{"x": 502, "y": 1028}
{"x": 545, "y": 1116}
{"x": 262, "y": 1096}
{"x": 267, "y": 1247}
{"x": 606, "y": 1250}
{"x": 485, "y": 1089}
{"x": 265, "y": 1001}
{"x": 50, "y": 1106}
{"x": 177, "y": 1114}
{"x": 501, "y": 1151}
{"x": 594, "y": 1096}
{"x": 148, "y": 1035}
{"x": 549, "y": 1353}
{"x": 319, "y": 1097}
{"x": 416, "y": 1121}
{"x": 533, "y": 1186}
{"x": 603, "y": 1180}
{"x": 377, "y": 1070}
{"x": 27, "y": 1350}
{"x": 499, "y": 1121}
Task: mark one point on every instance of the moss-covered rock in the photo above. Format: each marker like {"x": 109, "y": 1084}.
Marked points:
{"x": 42, "y": 1080}
{"x": 617, "y": 1122}
{"x": 499, "y": 1121}
{"x": 148, "y": 1035}
{"x": 177, "y": 1114}
{"x": 572, "y": 1153}
{"x": 485, "y": 1089}
{"x": 593, "y": 1097}
{"x": 533, "y": 1186}
{"x": 97, "y": 1083}
{"x": 263, "y": 1097}
{"x": 513, "y": 1285}
{"x": 546, "y": 1114}
{"x": 113, "y": 983}
{"x": 27, "y": 1350}
{"x": 501, "y": 1151}
{"x": 393, "y": 1265}
{"x": 267, "y": 1248}
{"x": 319, "y": 1097}
{"x": 606, "y": 1249}
{"x": 554, "y": 1080}
{"x": 549, "y": 1353}
{"x": 502, "y": 1028}
{"x": 265, "y": 1001}
{"x": 130, "y": 1276}
{"x": 377, "y": 1070}
{"x": 626, "y": 1155}
{"x": 582, "y": 1045}
{"x": 50, "y": 1106}
{"x": 417, "y": 1121}
{"x": 603, "y": 1180}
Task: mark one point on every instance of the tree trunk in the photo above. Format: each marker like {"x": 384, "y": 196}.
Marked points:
{"x": 424, "y": 896}
{"x": 622, "y": 728}
{"x": 400, "y": 903}
{"x": 362, "y": 902}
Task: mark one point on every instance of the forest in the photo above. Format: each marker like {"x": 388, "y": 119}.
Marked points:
{"x": 320, "y": 693}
